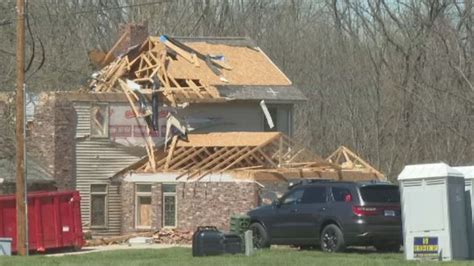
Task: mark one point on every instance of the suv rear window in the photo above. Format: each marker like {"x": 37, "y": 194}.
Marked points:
{"x": 380, "y": 193}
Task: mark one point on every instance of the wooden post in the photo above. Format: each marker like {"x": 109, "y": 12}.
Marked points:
{"x": 20, "y": 129}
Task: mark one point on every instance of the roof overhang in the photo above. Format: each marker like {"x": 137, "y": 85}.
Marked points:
{"x": 267, "y": 93}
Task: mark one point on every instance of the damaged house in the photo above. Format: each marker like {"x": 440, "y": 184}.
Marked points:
{"x": 179, "y": 132}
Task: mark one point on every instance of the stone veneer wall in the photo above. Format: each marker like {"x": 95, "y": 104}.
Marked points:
{"x": 212, "y": 203}
{"x": 127, "y": 192}
{"x": 198, "y": 203}
{"x": 52, "y": 139}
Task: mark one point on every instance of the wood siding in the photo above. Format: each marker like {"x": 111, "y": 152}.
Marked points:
{"x": 96, "y": 161}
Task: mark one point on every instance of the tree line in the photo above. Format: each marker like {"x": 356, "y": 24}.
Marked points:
{"x": 392, "y": 80}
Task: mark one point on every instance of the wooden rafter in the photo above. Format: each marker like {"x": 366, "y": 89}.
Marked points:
{"x": 350, "y": 161}
{"x": 152, "y": 61}
{"x": 204, "y": 154}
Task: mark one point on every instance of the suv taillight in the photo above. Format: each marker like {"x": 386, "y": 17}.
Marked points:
{"x": 365, "y": 210}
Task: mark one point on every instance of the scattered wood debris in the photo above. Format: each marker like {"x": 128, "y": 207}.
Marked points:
{"x": 173, "y": 236}
{"x": 163, "y": 236}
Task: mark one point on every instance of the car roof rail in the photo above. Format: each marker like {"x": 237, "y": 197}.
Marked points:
{"x": 306, "y": 181}
{"x": 375, "y": 181}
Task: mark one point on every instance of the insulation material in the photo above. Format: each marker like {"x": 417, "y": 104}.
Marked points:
{"x": 128, "y": 130}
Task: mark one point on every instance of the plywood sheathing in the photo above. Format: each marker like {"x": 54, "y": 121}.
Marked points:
{"x": 230, "y": 139}
{"x": 352, "y": 165}
{"x": 249, "y": 66}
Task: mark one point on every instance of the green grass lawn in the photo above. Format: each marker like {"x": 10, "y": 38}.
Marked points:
{"x": 182, "y": 256}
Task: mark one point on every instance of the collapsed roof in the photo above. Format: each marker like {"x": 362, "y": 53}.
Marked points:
{"x": 248, "y": 155}
{"x": 197, "y": 70}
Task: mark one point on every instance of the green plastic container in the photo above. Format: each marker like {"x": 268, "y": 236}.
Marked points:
{"x": 239, "y": 224}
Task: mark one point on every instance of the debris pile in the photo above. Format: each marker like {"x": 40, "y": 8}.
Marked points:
{"x": 173, "y": 236}
{"x": 163, "y": 236}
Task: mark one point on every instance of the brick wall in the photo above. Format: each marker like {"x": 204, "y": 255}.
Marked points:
{"x": 127, "y": 193}
{"x": 198, "y": 203}
{"x": 52, "y": 139}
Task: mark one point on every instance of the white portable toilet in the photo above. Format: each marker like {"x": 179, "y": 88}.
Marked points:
{"x": 433, "y": 212}
{"x": 468, "y": 172}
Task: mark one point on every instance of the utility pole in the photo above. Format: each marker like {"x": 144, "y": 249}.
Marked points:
{"x": 20, "y": 129}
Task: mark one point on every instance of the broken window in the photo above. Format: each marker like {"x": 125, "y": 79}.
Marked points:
{"x": 100, "y": 120}
{"x": 169, "y": 205}
{"x": 143, "y": 206}
{"x": 98, "y": 205}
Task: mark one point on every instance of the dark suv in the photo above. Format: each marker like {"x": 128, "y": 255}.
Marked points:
{"x": 332, "y": 213}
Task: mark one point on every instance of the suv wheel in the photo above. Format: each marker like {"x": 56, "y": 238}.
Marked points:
{"x": 260, "y": 236}
{"x": 332, "y": 239}
{"x": 388, "y": 247}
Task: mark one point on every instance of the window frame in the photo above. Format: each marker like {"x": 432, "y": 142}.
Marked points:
{"x": 106, "y": 134}
{"x": 139, "y": 194}
{"x": 169, "y": 194}
{"x": 106, "y": 205}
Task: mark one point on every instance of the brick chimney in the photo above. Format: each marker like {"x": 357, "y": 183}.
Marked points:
{"x": 136, "y": 33}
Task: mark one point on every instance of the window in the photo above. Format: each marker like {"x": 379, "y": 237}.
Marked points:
{"x": 293, "y": 198}
{"x": 98, "y": 205}
{"x": 341, "y": 194}
{"x": 143, "y": 206}
{"x": 314, "y": 195}
{"x": 380, "y": 193}
{"x": 169, "y": 205}
{"x": 100, "y": 120}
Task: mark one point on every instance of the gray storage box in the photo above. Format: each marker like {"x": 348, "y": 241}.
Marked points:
{"x": 468, "y": 172}
{"x": 5, "y": 246}
{"x": 433, "y": 212}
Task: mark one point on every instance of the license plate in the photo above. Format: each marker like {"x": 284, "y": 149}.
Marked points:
{"x": 389, "y": 213}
